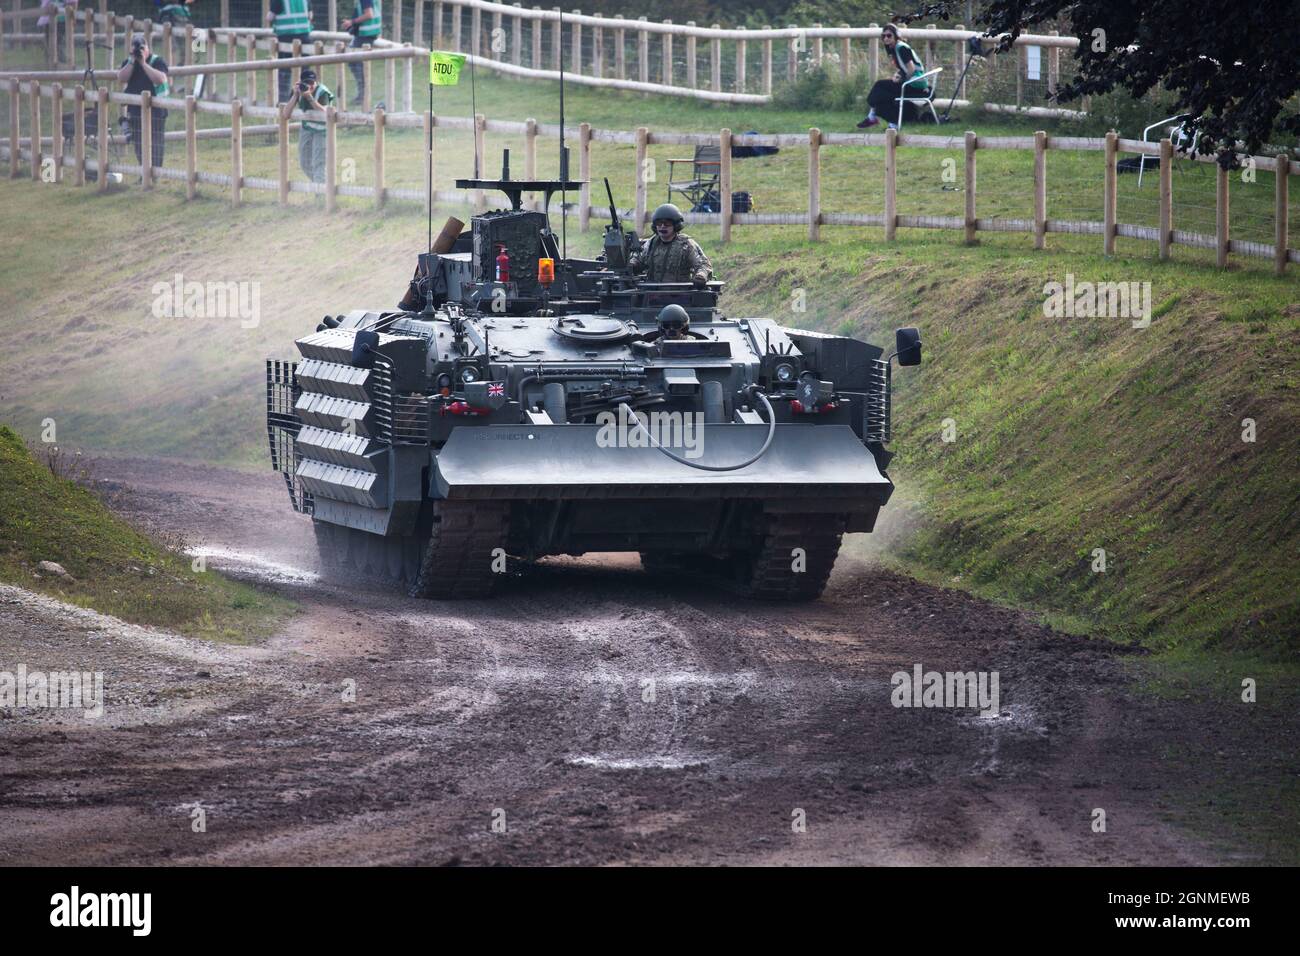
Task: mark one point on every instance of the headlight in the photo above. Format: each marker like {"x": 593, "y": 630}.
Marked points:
{"x": 468, "y": 375}
{"x": 444, "y": 380}
{"x": 785, "y": 373}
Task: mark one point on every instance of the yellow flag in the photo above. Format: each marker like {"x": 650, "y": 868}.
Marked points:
{"x": 444, "y": 68}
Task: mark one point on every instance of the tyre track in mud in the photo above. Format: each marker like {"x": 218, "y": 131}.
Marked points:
{"x": 612, "y": 718}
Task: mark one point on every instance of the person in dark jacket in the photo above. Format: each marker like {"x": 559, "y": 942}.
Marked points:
{"x": 883, "y": 98}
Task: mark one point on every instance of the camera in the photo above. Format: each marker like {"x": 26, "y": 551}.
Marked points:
{"x": 137, "y": 49}
{"x": 302, "y": 87}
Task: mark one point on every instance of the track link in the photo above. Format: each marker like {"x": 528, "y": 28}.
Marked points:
{"x": 458, "y": 561}
{"x": 771, "y": 574}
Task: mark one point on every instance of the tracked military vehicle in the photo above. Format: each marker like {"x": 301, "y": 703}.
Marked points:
{"x": 519, "y": 404}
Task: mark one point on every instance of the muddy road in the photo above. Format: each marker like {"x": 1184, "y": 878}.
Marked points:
{"x": 602, "y": 716}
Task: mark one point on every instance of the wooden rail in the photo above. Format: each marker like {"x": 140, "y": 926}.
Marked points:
{"x": 30, "y": 149}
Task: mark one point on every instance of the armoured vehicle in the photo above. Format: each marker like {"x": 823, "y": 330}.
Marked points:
{"x": 519, "y": 404}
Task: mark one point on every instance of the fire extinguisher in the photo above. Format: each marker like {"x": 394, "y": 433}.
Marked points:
{"x": 503, "y": 264}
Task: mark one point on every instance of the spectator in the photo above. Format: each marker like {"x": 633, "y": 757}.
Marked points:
{"x": 310, "y": 95}
{"x": 141, "y": 71}
{"x": 291, "y": 20}
{"x": 175, "y": 12}
{"x": 365, "y": 26}
{"x": 64, "y": 13}
{"x": 884, "y": 95}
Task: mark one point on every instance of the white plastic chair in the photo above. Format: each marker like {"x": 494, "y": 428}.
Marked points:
{"x": 926, "y": 101}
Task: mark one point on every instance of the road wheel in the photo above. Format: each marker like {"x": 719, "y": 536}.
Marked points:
{"x": 464, "y": 550}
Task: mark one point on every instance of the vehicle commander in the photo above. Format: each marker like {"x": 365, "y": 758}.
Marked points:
{"x": 670, "y": 255}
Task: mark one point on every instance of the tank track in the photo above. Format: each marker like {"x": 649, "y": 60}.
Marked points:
{"x": 457, "y": 560}
{"x": 765, "y": 573}
{"x": 769, "y": 575}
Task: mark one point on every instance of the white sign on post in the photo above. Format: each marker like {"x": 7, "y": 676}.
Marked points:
{"x": 1033, "y": 63}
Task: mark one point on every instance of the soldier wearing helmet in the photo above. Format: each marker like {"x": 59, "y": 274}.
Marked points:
{"x": 670, "y": 255}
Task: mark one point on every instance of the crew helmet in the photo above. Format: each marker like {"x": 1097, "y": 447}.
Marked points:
{"x": 671, "y": 213}
{"x": 674, "y": 319}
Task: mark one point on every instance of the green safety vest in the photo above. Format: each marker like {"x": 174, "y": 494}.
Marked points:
{"x": 295, "y": 19}
{"x": 163, "y": 88}
{"x": 918, "y": 68}
{"x": 178, "y": 10}
{"x": 371, "y": 27}
{"x": 324, "y": 97}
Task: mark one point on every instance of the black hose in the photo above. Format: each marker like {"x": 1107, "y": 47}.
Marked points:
{"x": 771, "y": 433}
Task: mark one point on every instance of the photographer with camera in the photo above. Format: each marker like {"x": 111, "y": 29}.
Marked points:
{"x": 366, "y": 24}
{"x": 291, "y": 20}
{"x": 175, "y": 12}
{"x": 141, "y": 71}
{"x": 309, "y": 95}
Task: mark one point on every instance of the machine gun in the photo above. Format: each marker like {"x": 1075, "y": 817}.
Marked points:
{"x": 618, "y": 243}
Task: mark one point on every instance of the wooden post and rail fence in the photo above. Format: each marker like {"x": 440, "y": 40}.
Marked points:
{"x": 31, "y": 89}
{"x": 600, "y": 63}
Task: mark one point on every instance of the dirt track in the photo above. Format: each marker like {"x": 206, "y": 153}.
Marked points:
{"x": 533, "y": 704}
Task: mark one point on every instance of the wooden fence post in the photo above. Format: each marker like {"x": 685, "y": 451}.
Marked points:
{"x": 873, "y": 55}
{"x": 455, "y": 28}
{"x": 620, "y": 51}
{"x": 517, "y": 37}
{"x": 666, "y": 58}
{"x": 379, "y": 157}
{"x": 1053, "y": 65}
{"x": 282, "y": 140}
{"x": 368, "y": 73}
{"x": 584, "y": 173}
{"x": 691, "y": 64}
{"x": 191, "y": 148}
{"x": 390, "y": 84}
{"x": 169, "y": 48}
{"x": 575, "y": 43}
{"x": 79, "y": 135}
{"x": 14, "y": 123}
{"x": 1040, "y": 189}
{"x": 557, "y": 39}
{"x": 742, "y": 48}
{"x": 101, "y": 138}
{"x": 971, "y": 224}
{"x": 56, "y": 127}
{"x": 408, "y": 99}
{"x": 643, "y": 54}
{"x": 959, "y": 61}
{"x": 110, "y": 28}
{"x": 225, "y": 13}
{"x": 767, "y": 64}
{"x": 436, "y": 39}
{"x": 891, "y": 175}
{"x": 819, "y": 46}
{"x": 146, "y": 140}
{"x": 475, "y": 31}
{"x": 331, "y": 158}
{"x": 536, "y": 30}
{"x": 236, "y": 152}
{"x": 792, "y": 50}
{"x": 1221, "y": 216}
{"x": 34, "y": 119}
{"x": 715, "y": 50}
{"x": 639, "y": 214}
{"x": 724, "y": 185}
{"x": 814, "y": 184}
{"x": 1281, "y": 173}
{"x": 846, "y": 52}
{"x": 1166, "y": 195}
{"x": 1109, "y": 186}
{"x": 396, "y": 32}
{"x": 230, "y": 58}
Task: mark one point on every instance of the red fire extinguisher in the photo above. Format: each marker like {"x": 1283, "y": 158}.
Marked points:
{"x": 503, "y": 265}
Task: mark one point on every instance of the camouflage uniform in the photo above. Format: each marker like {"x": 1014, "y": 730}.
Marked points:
{"x": 681, "y": 260}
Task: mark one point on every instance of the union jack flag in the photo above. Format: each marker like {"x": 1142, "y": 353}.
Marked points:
{"x": 496, "y": 389}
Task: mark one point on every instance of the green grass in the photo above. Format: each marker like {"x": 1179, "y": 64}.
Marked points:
{"x": 115, "y": 569}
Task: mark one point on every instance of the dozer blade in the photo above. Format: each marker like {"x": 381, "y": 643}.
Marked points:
{"x": 565, "y": 461}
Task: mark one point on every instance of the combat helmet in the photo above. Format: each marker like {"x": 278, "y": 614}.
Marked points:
{"x": 671, "y": 213}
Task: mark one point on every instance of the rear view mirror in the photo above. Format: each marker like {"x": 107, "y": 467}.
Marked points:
{"x": 907, "y": 346}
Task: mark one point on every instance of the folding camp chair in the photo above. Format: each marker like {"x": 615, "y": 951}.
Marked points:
{"x": 925, "y": 102}
{"x": 705, "y": 175}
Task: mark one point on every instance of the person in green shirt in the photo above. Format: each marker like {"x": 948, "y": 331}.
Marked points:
{"x": 884, "y": 96}
{"x": 310, "y": 95}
